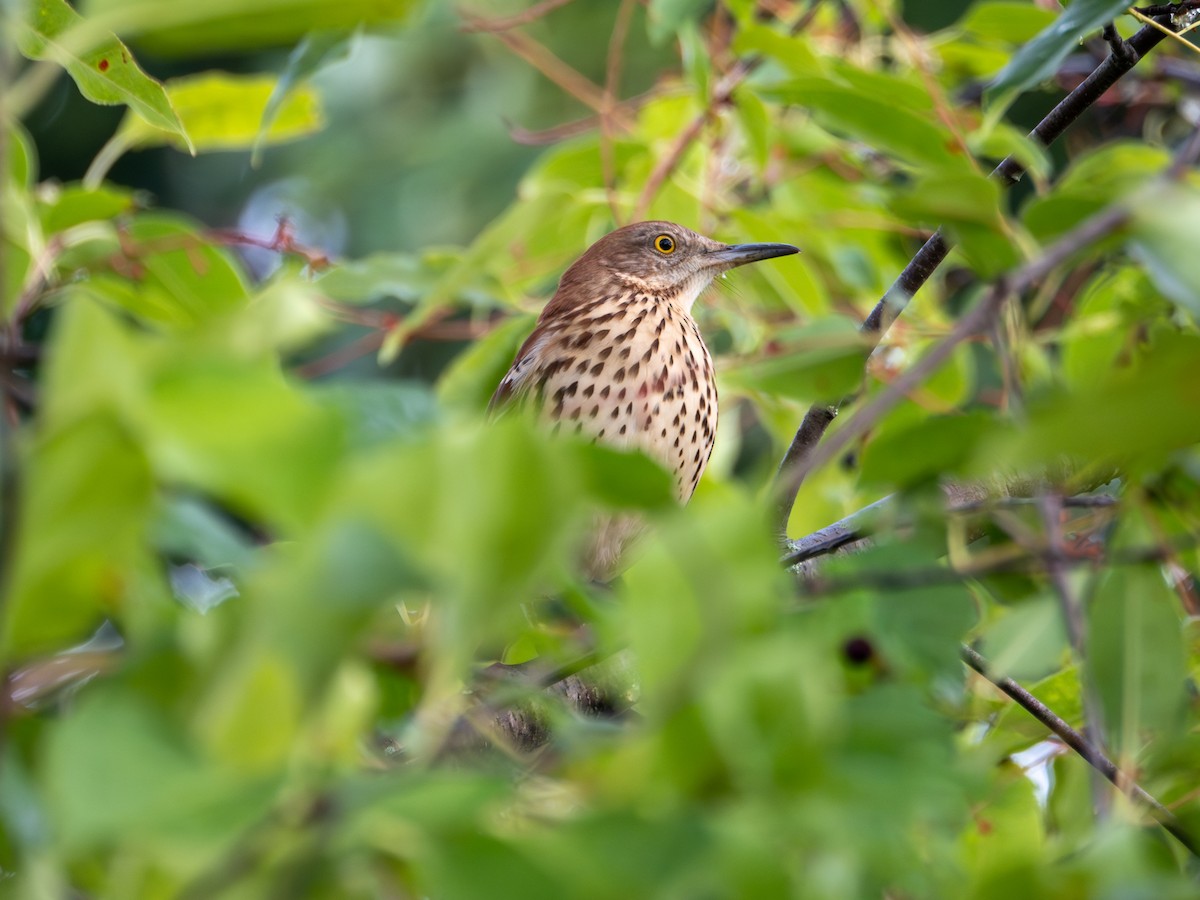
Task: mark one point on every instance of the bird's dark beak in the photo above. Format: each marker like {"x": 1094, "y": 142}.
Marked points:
{"x": 740, "y": 254}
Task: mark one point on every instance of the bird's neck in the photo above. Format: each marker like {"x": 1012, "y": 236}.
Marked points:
{"x": 682, "y": 295}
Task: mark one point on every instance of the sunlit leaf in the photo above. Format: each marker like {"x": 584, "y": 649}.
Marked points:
{"x": 226, "y": 112}
{"x": 103, "y": 69}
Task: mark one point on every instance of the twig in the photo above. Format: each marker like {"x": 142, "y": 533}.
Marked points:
{"x": 1028, "y": 562}
{"x": 1077, "y": 742}
{"x": 568, "y": 130}
{"x": 720, "y": 95}
{"x": 545, "y": 62}
{"x": 612, "y": 87}
{"x": 667, "y": 164}
{"x": 505, "y": 23}
{"x": 331, "y": 362}
{"x": 283, "y": 241}
{"x": 798, "y": 459}
{"x": 1071, "y": 609}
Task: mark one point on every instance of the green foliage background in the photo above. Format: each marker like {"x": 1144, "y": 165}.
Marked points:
{"x": 258, "y": 541}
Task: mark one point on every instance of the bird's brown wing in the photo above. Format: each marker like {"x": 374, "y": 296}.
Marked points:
{"x": 519, "y": 378}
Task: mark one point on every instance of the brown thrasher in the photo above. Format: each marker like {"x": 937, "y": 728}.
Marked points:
{"x": 616, "y": 356}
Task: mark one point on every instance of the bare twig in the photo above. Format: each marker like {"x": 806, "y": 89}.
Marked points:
{"x": 283, "y": 241}
{"x": 1077, "y": 742}
{"x": 798, "y": 459}
{"x": 1071, "y": 609}
{"x": 538, "y": 56}
{"x": 719, "y": 96}
{"x": 505, "y": 23}
{"x": 1017, "y": 562}
{"x": 612, "y": 88}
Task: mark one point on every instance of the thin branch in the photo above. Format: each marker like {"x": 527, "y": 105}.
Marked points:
{"x": 1016, "y": 561}
{"x": 283, "y": 241}
{"x": 612, "y": 89}
{"x": 538, "y": 56}
{"x": 557, "y": 133}
{"x": 344, "y": 355}
{"x": 505, "y": 23}
{"x": 719, "y": 96}
{"x": 799, "y": 457}
{"x": 960, "y": 500}
{"x": 1090, "y": 753}
{"x": 1071, "y": 609}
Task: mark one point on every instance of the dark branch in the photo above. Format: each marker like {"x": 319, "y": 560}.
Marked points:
{"x": 1077, "y": 742}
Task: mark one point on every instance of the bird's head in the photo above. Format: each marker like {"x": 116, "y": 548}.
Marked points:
{"x": 663, "y": 259}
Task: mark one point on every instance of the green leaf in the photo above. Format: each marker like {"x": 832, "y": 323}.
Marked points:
{"x": 1040, "y": 58}
{"x": 191, "y": 29}
{"x": 1027, "y": 641}
{"x": 308, "y": 57}
{"x": 665, "y": 17}
{"x": 379, "y": 411}
{"x": 1010, "y": 21}
{"x": 473, "y": 376}
{"x": 154, "y": 788}
{"x": 186, "y": 527}
{"x": 71, "y": 205}
{"x": 183, "y": 278}
{"x": 824, "y": 361}
{"x": 967, "y": 204}
{"x": 1160, "y": 240}
{"x": 86, "y": 503}
{"x": 1136, "y": 656}
{"x": 1132, "y": 415}
{"x": 1102, "y": 176}
{"x": 883, "y": 119}
{"x": 934, "y": 447}
{"x": 625, "y": 480}
{"x": 227, "y": 112}
{"x": 105, "y": 72}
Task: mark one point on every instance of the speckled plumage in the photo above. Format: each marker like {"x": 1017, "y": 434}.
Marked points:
{"x": 616, "y": 356}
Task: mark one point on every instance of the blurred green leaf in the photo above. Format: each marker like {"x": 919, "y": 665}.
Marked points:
{"x": 189, "y": 529}
{"x": 154, "y": 788}
{"x": 824, "y": 360}
{"x": 666, "y": 17}
{"x": 882, "y": 119}
{"x": 1134, "y": 414}
{"x": 190, "y": 29}
{"x": 73, "y": 205}
{"x": 227, "y": 112}
{"x": 377, "y": 411}
{"x": 1027, "y": 641}
{"x": 1040, "y": 58}
{"x": 1136, "y": 656}
{"x": 933, "y": 448}
{"x": 1012, "y": 21}
{"x": 183, "y": 278}
{"x": 314, "y": 52}
{"x": 1159, "y": 240}
{"x": 472, "y": 377}
{"x": 86, "y": 506}
{"x": 968, "y": 206}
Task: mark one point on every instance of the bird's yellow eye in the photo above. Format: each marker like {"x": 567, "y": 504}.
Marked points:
{"x": 664, "y": 243}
